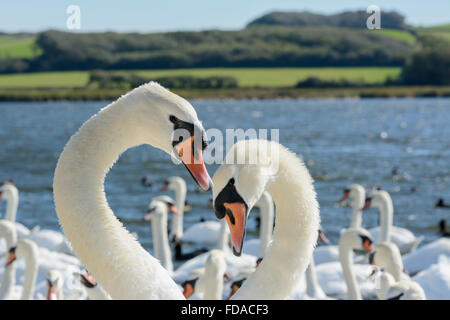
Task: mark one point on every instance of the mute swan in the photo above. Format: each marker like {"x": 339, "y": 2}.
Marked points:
{"x": 148, "y": 114}
{"x": 355, "y": 195}
{"x": 427, "y": 255}
{"x": 49, "y": 239}
{"x": 387, "y": 256}
{"x": 199, "y": 234}
{"x": 352, "y": 239}
{"x": 403, "y": 238}
{"x": 93, "y": 289}
{"x": 389, "y": 289}
{"x": 9, "y": 192}
{"x": 208, "y": 280}
{"x": 237, "y": 187}
{"x": 55, "y": 283}
{"x": 27, "y": 250}
{"x": 178, "y": 185}
{"x": 8, "y": 232}
{"x": 435, "y": 280}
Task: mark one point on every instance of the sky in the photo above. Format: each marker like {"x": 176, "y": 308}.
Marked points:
{"x": 172, "y": 15}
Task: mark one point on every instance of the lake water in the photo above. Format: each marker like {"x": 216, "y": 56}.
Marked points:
{"x": 342, "y": 141}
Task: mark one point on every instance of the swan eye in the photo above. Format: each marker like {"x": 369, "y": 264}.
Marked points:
{"x": 173, "y": 119}
{"x": 231, "y": 182}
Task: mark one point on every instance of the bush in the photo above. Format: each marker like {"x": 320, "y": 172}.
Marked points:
{"x": 109, "y": 80}
{"x": 428, "y": 67}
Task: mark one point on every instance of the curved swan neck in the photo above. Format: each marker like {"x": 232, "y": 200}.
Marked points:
{"x": 312, "y": 284}
{"x": 267, "y": 216}
{"x": 31, "y": 265}
{"x": 386, "y": 219}
{"x": 180, "y": 197}
{"x": 346, "y": 259}
{"x": 105, "y": 247}
{"x": 160, "y": 240}
{"x": 295, "y": 233}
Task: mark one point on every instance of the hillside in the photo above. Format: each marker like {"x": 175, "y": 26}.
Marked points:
{"x": 347, "y": 19}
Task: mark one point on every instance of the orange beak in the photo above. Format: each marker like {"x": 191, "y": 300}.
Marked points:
{"x": 345, "y": 195}
{"x": 11, "y": 259}
{"x": 233, "y": 290}
{"x": 164, "y": 186}
{"x": 367, "y": 245}
{"x": 194, "y": 162}
{"x": 236, "y": 218}
{"x": 173, "y": 209}
{"x": 188, "y": 290}
{"x": 367, "y": 203}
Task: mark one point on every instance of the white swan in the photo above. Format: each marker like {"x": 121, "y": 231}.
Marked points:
{"x": 178, "y": 185}
{"x": 423, "y": 257}
{"x": 403, "y": 238}
{"x": 9, "y": 192}
{"x": 388, "y": 256}
{"x": 208, "y": 280}
{"x": 8, "y": 232}
{"x": 50, "y": 239}
{"x": 355, "y": 195}
{"x": 352, "y": 239}
{"x": 148, "y": 114}
{"x": 55, "y": 283}
{"x": 27, "y": 250}
{"x": 157, "y": 214}
{"x": 251, "y": 167}
{"x": 93, "y": 288}
{"x": 435, "y": 280}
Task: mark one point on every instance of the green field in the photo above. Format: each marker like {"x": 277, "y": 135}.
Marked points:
{"x": 399, "y": 35}
{"x": 247, "y": 77}
{"x": 18, "y": 48}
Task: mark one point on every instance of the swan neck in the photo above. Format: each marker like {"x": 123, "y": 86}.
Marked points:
{"x": 177, "y": 220}
{"x": 222, "y": 240}
{"x": 356, "y": 220}
{"x": 12, "y": 202}
{"x": 110, "y": 253}
{"x": 386, "y": 221}
{"x": 295, "y": 234}
{"x": 161, "y": 241}
{"x": 265, "y": 232}
{"x": 346, "y": 259}
{"x": 312, "y": 284}
{"x": 31, "y": 271}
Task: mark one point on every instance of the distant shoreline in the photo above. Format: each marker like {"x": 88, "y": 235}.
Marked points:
{"x": 84, "y": 94}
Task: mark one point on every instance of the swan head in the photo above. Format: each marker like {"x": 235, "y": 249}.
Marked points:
{"x": 239, "y": 183}
{"x": 8, "y": 190}
{"x": 357, "y": 239}
{"x": 159, "y": 207}
{"x": 170, "y": 123}
{"x": 405, "y": 290}
{"x": 25, "y": 249}
{"x": 378, "y": 199}
{"x": 355, "y": 194}
{"x": 54, "y": 284}
{"x": 173, "y": 183}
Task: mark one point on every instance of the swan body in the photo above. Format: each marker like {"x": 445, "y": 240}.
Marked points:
{"x": 389, "y": 289}
{"x": 239, "y": 183}
{"x": 148, "y": 114}
{"x": 435, "y": 280}
{"x": 427, "y": 255}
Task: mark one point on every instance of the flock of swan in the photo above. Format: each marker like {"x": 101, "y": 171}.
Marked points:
{"x": 97, "y": 258}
